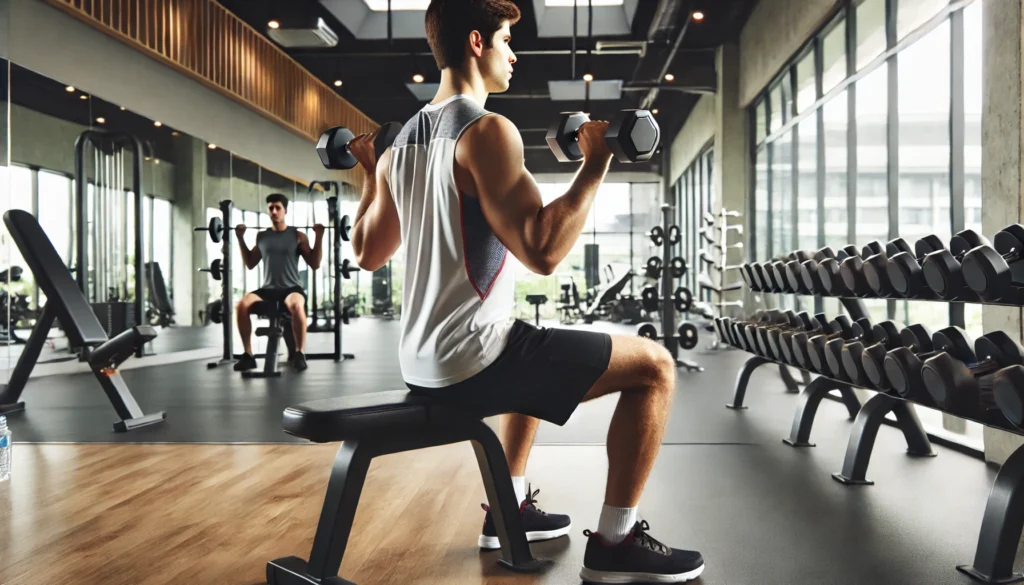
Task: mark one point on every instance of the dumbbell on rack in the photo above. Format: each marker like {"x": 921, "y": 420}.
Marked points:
{"x": 827, "y": 354}
{"x": 942, "y": 269}
{"x": 997, "y": 274}
{"x": 734, "y": 334}
{"x": 904, "y": 273}
{"x": 962, "y": 387}
{"x": 903, "y": 365}
{"x": 886, "y": 333}
{"x": 830, "y": 272}
{"x": 758, "y": 333}
{"x": 810, "y": 269}
{"x": 814, "y": 348}
{"x": 916, "y": 337}
{"x": 819, "y": 323}
{"x": 1008, "y": 393}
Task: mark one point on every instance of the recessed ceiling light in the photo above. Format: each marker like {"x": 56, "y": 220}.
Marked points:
{"x": 698, "y": 15}
{"x": 122, "y": 108}
{"x": 101, "y": 120}
{"x": 175, "y": 133}
{"x": 670, "y": 77}
{"x": 337, "y": 83}
{"x": 156, "y": 161}
{"x": 83, "y": 97}
{"x": 211, "y": 146}
{"x": 417, "y": 78}
{"x": 158, "y": 123}
{"x": 70, "y": 89}
{"x": 274, "y": 24}
{"x": 588, "y": 77}
{"x": 654, "y": 111}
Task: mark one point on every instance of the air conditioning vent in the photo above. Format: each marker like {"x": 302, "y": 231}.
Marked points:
{"x": 296, "y": 35}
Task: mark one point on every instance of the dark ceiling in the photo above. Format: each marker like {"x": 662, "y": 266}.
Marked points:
{"x": 375, "y": 72}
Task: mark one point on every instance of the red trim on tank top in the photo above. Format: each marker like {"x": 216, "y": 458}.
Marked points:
{"x": 465, "y": 257}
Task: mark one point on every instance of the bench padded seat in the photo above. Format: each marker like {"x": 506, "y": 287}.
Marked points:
{"x": 350, "y": 417}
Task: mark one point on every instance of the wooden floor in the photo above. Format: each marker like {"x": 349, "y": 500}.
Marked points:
{"x": 198, "y": 514}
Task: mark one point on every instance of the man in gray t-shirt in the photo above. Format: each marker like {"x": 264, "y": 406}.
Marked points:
{"x": 279, "y": 248}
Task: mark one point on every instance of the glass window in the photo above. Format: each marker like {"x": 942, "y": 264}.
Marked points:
{"x": 761, "y": 206}
{"x": 762, "y": 119}
{"x": 833, "y": 53}
{"x": 924, "y": 197}
{"x": 806, "y": 90}
{"x": 870, "y": 31}
{"x": 782, "y": 195}
{"x": 835, "y": 115}
{"x": 872, "y": 219}
{"x": 55, "y": 211}
{"x": 913, "y": 13}
{"x": 972, "y": 115}
{"x": 20, "y": 198}
{"x": 807, "y": 195}
{"x": 162, "y": 240}
{"x": 778, "y": 116}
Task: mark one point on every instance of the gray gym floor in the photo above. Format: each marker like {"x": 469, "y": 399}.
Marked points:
{"x": 761, "y": 511}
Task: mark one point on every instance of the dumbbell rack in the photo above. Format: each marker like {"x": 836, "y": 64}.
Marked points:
{"x": 1003, "y": 520}
{"x": 722, "y": 227}
{"x": 670, "y": 235}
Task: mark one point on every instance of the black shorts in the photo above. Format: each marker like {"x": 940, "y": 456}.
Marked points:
{"x": 278, "y": 295}
{"x": 544, "y": 373}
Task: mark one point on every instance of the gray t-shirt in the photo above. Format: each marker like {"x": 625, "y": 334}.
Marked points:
{"x": 280, "y": 251}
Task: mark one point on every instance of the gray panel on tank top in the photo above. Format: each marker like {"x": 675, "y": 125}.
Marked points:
{"x": 447, "y": 122}
{"x": 280, "y": 251}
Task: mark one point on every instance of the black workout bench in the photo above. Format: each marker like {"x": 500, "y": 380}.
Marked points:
{"x": 65, "y": 302}
{"x": 370, "y": 425}
{"x": 280, "y": 326}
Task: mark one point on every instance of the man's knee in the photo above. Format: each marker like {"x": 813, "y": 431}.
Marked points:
{"x": 242, "y": 308}
{"x": 659, "y": 367}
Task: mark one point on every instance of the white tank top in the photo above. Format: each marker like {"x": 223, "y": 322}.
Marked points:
{"x": 459, "y": 291}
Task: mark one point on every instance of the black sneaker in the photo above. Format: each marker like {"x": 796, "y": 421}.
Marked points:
{"x": 638, "y": 559}
{"x": 246, "y": 362}
{"x": 299, "y": 361}
{"x": 538, "y": 524}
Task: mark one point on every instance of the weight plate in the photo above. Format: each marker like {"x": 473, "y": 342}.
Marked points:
{"x": 683, "y": 299}
{"x": 561, "y": 136}
{"x": 999, "y": 347}
{"x": 687, "y": 336}
{"x": 678, "y": 267}
{"x": 215, "y": 269}
{"x": 216, "y": 229}
{"x": 649, "y": 331}
{"x": 927, "y": 245}
{"x": 654, "y": 267}
{"x": 966, "y": 240}
{"x": 649, "y": 299}
{"x": 674, "y": 234}
{"x": 346, "y": 228}
{"x": 657, "y": 235}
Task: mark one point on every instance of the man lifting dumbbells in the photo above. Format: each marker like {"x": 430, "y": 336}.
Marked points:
{"x": 453, "y": 191}
{"x": 279, "y": 248}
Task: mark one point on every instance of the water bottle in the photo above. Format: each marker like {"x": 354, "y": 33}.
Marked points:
{"x": 6, "y": 447}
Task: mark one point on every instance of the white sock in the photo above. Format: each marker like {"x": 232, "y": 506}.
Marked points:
{"x": 616, "y": 523}
{"x": 519, "y": 483}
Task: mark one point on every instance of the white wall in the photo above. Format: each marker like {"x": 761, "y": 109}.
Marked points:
{"x": 52, "y": 43}
{"x": 698, "y": 130}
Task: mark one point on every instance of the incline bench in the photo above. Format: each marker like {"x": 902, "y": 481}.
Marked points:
{"x": 381, "y": 423}
{"x": 65, "y": 301}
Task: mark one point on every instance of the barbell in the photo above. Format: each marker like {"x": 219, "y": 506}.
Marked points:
{"x": 215, "y": 269}
{"x": 216, "y": 228}
{"x": 686, "y": 334}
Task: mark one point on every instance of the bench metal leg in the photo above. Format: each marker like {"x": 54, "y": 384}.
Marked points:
{"x": 865, "y": 429}
{"x": 1001, "y": 526}
{"x": 807, "y": 407}
{"x": 743, "y": 379}
{"x": 270, "y": 369}
{"x": 346, "y": 484}
{"x": 11, "y": 391}
{"x": 501, "y": 497}
{"x": 792, "y": 386}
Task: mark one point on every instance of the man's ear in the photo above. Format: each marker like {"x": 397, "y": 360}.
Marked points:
{"x": 476, "y": 43}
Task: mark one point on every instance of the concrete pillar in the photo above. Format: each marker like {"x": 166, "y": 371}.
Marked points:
{"x": 732, "y": 153}
{"x": 190, "y": 285}
{"x": 1002, "y": 170}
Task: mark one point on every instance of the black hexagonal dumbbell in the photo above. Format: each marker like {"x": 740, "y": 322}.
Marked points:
{"x": 750, "y": 341}
{"x": 843, "y": 330}
{"x": 903, "y": 366}
{"x": 876, "y": 267}
{"x": 780, "y": 272}
{"x": 632, "y": 136}
{"x": 752, "y": 332}
{"x": 851, "y": 270}
{"x": 916, "y": 337}
{"x": 886, "y": 334}
{"x": 333, "y": 145}
{"x": 904, "y": 272}
{"x": 966, "y": 387}
{"x": 1008, "y": 393}
{"x": 807, "y": 271}
{"x": 769, "y": 337}
{"x": 997, "y": 273}
{"x": 729, "y": 327}
{"x": 942, "y": 270}
{"x": 802, "y": 346}
{"x": 819, "y": 323}
{"x": 834, "y": 348}
{"x": 829, "y": 273}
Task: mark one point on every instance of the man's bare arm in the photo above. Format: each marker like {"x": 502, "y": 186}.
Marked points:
{"x": 539, "y": 235}
{"x": 312, "y": 255}
{"x": 249, "y": 257}
{"x": 376, "y": 232}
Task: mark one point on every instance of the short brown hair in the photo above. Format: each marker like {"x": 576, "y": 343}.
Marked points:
{"x": 449, "y": 23}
